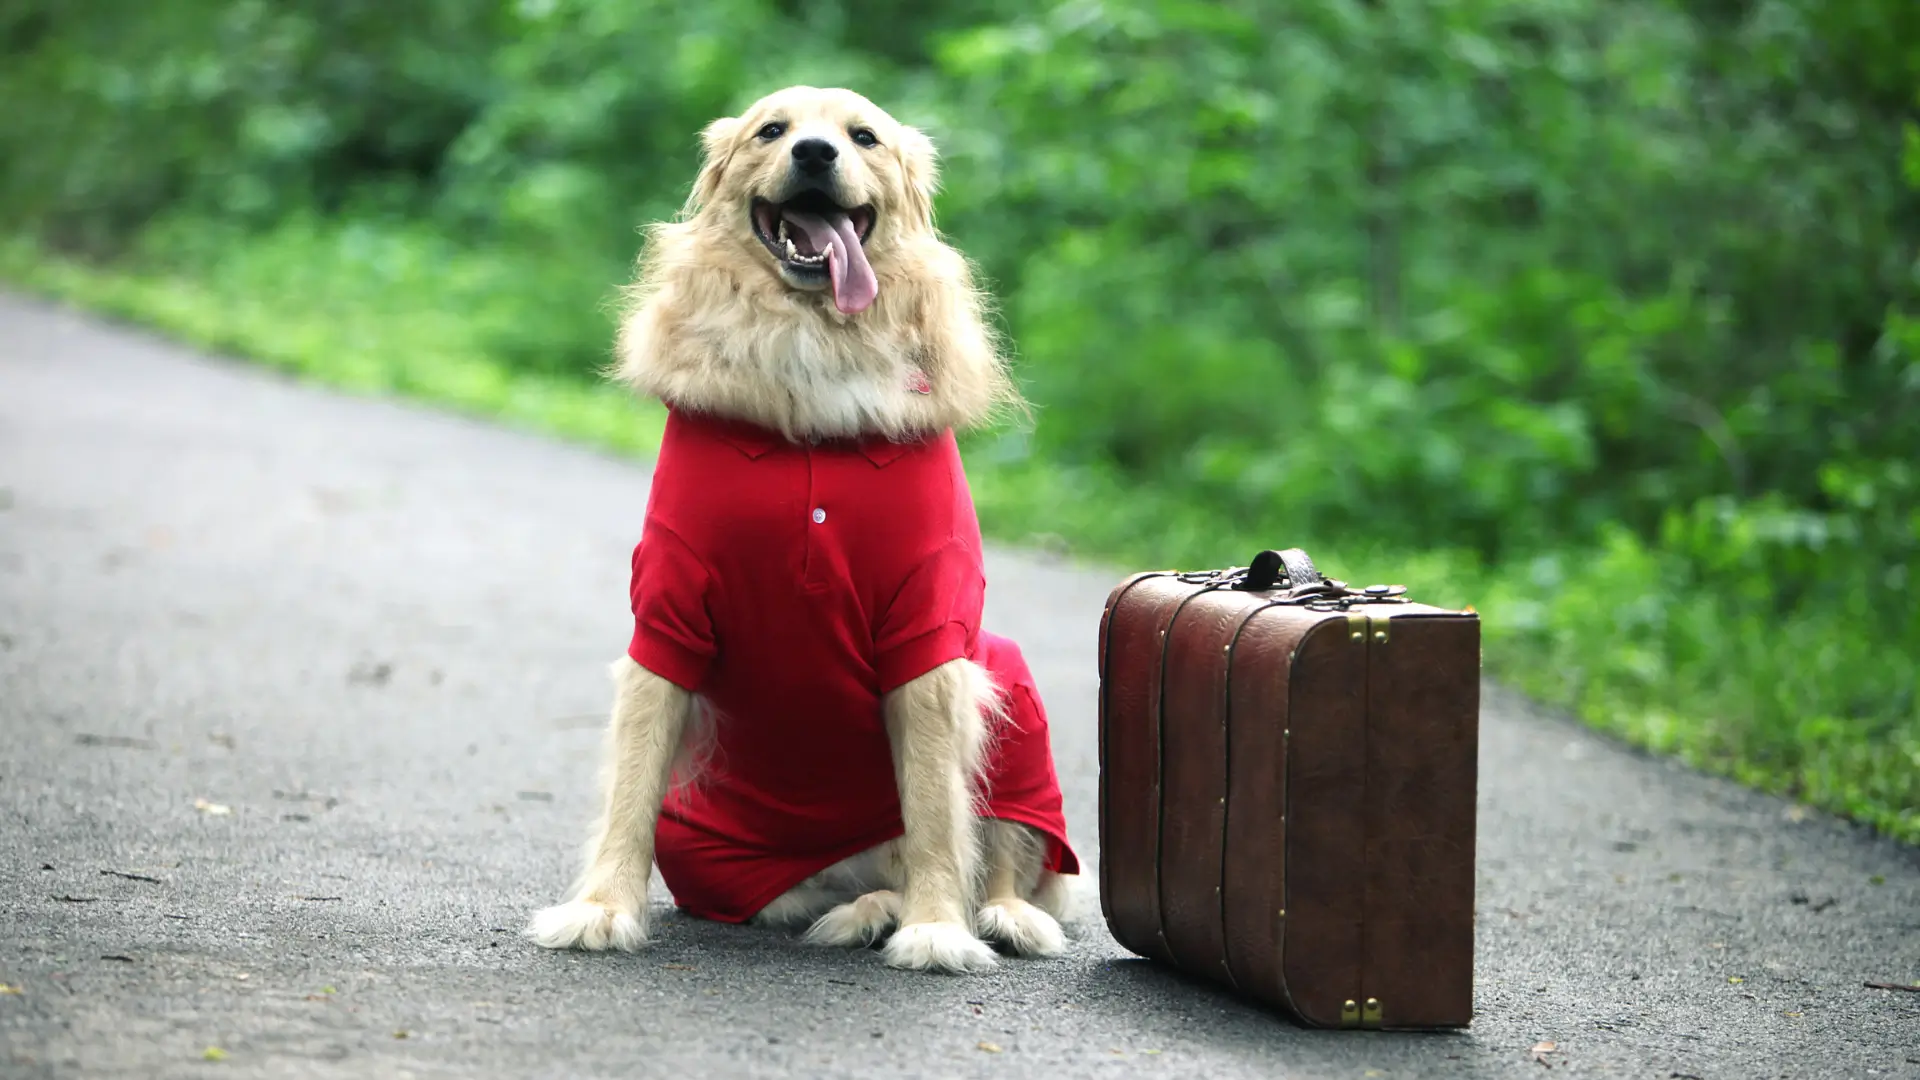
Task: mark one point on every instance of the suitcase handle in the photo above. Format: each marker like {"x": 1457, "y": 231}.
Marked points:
{"x": 1270, "y": 567}
{"x": 1304, "y": 584}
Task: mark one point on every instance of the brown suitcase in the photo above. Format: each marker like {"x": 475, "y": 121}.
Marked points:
{"x": 1287, "y": 782}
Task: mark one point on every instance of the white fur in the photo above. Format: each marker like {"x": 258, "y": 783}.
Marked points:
{"x": 1022, "y": 927}
{"x": 585, "y": 924}
{"x": 607, "y": 906}
{"x": 858, "y": 922}
{"x": 946, "y": 947}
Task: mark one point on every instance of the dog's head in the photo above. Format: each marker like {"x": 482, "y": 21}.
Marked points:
{"x": 804, "y": 287}
{"x": 822, "y": 187}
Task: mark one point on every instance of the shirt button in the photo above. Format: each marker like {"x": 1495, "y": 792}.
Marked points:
{"x": 819, "y": 515}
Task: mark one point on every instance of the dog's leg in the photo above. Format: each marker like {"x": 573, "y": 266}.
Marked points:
{"x": 858, "y": 923}
{"x": 825, "y": 899}
{"x": 799, "y": 906}
{"x": 937, "y": 728}
{"x": 607, "y": 906}
{"x": 1016, "y": 856}
{"x": 872, "y": 879}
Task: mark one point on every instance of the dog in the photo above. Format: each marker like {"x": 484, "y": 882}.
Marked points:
{"x": 810, "y": 728}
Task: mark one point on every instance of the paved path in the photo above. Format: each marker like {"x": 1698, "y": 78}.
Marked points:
{"x": 379, "y": 636}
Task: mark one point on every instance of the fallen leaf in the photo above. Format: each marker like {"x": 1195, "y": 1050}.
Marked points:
{"x": 1913, "y": 989}
{"x": 132, "y": 877}
{"x": 121, "y": 741}
{"x": 1793, "y": 1015}
{"x": 679, "y": 967}
{"x": 328, "y": 990}
{"x": 991, "y": 1048}
{"x": 5, "y": 989}
{"x": 214, "y": 1053}
{"x": 212, "y": 809}
{"x": 1735, "y": 980}
{"x": 1149, "y": 1051}
{"x": 1542, "y": 1048}
{"x": 401, "y": 1034}
{"x": 122, "y": 957}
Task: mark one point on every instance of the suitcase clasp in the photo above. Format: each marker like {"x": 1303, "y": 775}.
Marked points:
{"x": 1365, "y": 1017}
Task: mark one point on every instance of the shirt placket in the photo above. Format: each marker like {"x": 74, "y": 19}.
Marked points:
{"x": 817, "y": 522}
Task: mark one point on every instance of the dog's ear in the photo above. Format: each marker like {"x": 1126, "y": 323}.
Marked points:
{"x": 920, "y": 165}
{"x": 716, "y": 149}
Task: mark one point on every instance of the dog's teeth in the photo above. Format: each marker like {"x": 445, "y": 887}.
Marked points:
{"x": 782, "y": 237}
{"x": 792, "y": 254}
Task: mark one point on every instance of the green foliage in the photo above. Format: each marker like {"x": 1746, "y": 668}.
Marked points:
{"x": 1608, "y": 308}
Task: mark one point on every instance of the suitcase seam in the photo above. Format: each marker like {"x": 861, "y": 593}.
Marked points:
{"x": 1160, "y": 777}
{"x": 1106, "y": 683}
{"x": 1226, "y": 815}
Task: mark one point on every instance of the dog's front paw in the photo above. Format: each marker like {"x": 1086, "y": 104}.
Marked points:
{"x": 1022, "y": 927}
{"x": 858, "y": 923}
{"x": 938, "y": 946}
{"x": 588, "y": 924}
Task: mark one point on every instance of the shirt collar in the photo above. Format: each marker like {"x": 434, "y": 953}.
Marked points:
{"x": 755, "y": 441}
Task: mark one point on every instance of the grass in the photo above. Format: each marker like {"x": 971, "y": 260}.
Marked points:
{"x": 1793, "y": 705}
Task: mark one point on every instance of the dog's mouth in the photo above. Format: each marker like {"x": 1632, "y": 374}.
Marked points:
{"x": 817, "y": 242}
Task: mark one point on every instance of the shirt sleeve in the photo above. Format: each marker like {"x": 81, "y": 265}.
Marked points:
{"x": 934, "y": 618}
{"x": 672, "y": 627}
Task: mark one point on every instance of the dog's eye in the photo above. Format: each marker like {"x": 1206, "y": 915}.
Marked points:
{"x": 865, "y": 137}
{"x": 773, "y": 131}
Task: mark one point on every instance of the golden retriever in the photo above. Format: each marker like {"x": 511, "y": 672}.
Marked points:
{"x": 804, "y": 301}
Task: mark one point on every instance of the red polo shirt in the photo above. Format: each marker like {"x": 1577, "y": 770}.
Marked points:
{"x": 792, "y": 585}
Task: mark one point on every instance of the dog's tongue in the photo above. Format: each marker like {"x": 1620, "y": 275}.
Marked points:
{"x": 854, "y": 286}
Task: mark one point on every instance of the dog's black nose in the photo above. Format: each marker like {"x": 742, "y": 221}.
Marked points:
{"x": 814, "y": 156}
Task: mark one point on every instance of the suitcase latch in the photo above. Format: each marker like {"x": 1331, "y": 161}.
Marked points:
{"x": 1356, "y": 1015}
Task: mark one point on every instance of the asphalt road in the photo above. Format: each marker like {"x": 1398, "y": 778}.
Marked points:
{"x": 378, "y": 636}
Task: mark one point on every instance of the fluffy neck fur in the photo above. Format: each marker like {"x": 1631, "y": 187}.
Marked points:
{"x": 709, "y": 328}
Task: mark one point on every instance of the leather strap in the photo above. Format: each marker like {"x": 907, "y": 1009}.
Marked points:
{"x": 1270, "y": 568}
